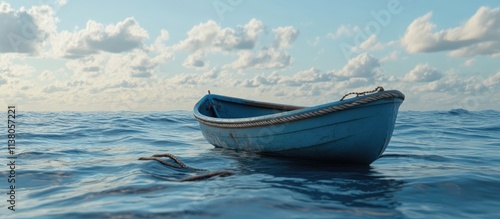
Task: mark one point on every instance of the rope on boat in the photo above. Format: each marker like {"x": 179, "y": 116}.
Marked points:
{"x": 319, "y": 112}
{"x": 378, "y": 89}
{"x": 179, "y": 164}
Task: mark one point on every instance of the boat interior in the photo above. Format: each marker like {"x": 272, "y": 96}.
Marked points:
{"x": 238, "y": 108}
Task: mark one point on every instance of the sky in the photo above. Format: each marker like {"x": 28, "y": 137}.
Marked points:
{"x": 158, "y": 55}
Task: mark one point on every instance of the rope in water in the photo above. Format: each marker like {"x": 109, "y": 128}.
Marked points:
{"x": 179, "y": 164}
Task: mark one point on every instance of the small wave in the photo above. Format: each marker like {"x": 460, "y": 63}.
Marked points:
{"x": 51, "y": 136}
{"x": 37, "y": 155}
{"x": 164, "y": 119}
{"x": 436, "y": 158}
{"x": 458, "y": 112}
{"x": 122, "y": 131}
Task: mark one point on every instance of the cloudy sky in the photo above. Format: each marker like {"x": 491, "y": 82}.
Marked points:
{"x": 66, "y": 55}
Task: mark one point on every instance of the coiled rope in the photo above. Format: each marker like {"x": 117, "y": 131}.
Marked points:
{"x": 378, "y": 89}
{"x": 180, "y": 165}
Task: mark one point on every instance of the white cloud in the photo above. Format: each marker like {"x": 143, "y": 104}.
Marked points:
{"x": 111, "y": 67}
{"x": 215, "y": 77}
{"x": 452, "y": 83}
{"x": 195, "y": 60}
{"x": 160, "y": 49}
{"x": 185, "y": 79}
{"x": 344, "y": 31}
{"x": 90, "y": 66}
{"x": 255, "y": 82}
{"x": 10, "y": 69}
{"x": 58, "y": 87}
{"x": 493, "y": 81}
{"x": 130, "y": 64}
{"x": 480, "y": 35}
{"x": 212, "y": 73}
{"x": 310, "y": 90}
{"x": 371, "y": 43}
{"x": 211, "y": 37}
{"x": 134, "y": 64}
{"x": 202, "y": 36}
{"x": 126, "y": 84}
{"x": 266, "y": 58}
{"x": 469, "y": 62}
{"x": 394, "y": 55}
{"x": 260, "y": 80}
{"x": 208, "y": 38}
{"x": 312, "y": 75}
{"x": 2, "y": 80}
{"x": 356, "y": 83}
{"x": 419, "y": 37}
{"x": 139, "y": 64}
{"x": 46, "y": 76}
{"x": 61, "y": 2}
{"x": 18, "y": 70}
{"x": 481, "y": 48}
{"x": 269, "y": 57}
{"x": 25, "y": 31}
{"x": 284, "y": 36}
{"x": 363, "y": 65}
{"x": 360, "y": 72}
{"x": 96, "y": 37}
{"x": 423, "y": 73}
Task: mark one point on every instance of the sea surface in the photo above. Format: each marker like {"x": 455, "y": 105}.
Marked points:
{"x": 439, "y": 164}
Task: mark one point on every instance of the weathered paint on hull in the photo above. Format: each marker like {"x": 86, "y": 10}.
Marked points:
{"x": 358, "y": 135}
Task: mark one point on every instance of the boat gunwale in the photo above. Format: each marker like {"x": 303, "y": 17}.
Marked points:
{"x": 299, "y": 113}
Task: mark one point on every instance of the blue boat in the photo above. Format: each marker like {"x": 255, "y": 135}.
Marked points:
{"x": 355, "y": 130}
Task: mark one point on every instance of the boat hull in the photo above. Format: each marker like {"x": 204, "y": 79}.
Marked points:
{"x": 357, "y": 135}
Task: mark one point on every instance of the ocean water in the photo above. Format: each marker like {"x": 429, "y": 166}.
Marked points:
{"x": 439, "y": 164}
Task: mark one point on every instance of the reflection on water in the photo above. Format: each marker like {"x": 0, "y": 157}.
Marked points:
{"x": 328, "y": 187}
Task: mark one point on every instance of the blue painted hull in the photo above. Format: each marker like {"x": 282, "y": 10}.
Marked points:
{"x": 356, "y": 130}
